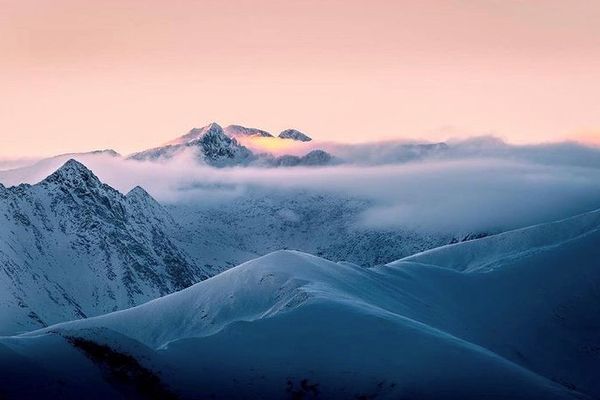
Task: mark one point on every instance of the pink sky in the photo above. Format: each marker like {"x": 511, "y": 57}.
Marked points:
{"x": 79, "y": 75}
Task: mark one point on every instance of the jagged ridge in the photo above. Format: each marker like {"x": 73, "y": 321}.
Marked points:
{"x": 74, "y": 247}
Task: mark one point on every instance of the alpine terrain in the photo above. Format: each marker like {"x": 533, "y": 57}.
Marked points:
{"x": 509, "y": 316}
{"x": 73, "y": 247}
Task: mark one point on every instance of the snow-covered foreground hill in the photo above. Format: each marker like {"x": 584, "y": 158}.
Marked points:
{"x": 505, "y": 317}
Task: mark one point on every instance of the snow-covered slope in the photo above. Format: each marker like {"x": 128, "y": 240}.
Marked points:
{"x": 294, "y": 134}
{"x": 213, "y": 146}
{"x": 212, "y": 130}
{"x": 242, "y": 131}
{"x": 93, "y": 268}
{"x": 292, "y": 324}
{"x": 261, "y": 221}
{"x": 531, "y": 296}
{"x": 220, "y": 147}
{"x": 488, "y": 253}
{"x": 72, "y": 247}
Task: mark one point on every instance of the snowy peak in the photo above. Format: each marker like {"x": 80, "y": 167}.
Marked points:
{"x": 210, "y": 133}
{"x": 219, "y": 149}
{"x": 212, "y": 144}
{"x": 72, "y": 246}
{"x": 294, "y": 135}
{"x": 212, "y": 129}
{"x": 138, "y": 197}
{"x": 138, "y": 193}
{"x": 73, "y": 174}
{"x": 242, "y": 131}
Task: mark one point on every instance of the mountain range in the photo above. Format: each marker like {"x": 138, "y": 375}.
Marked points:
{"x": 74, "y": 247}
{"x": 220, "y": 147}
{"x": 274, "y": 291}
{"x": 508, "y": 316}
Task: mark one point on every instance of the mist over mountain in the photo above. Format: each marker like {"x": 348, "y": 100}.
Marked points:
{"x": 300, "y": 200}
{"x": 456, "y": 187}
{"x": 74, "y": 247}
{"x": 231, "y": 270}
{"x": 220, "y": 147}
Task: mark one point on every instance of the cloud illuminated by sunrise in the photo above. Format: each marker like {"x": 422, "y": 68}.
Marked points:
{"x": 275, "y": 145}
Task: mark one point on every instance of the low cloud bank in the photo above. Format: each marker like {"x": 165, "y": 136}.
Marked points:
{"x": 477, "y": 185}
{"x": 12, "y": 163}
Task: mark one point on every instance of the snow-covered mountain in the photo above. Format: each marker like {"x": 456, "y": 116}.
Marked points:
{"x": 81, "y": 240}
{"x": 510, "y": 316}
{"x": 294, "y": 134}
{"x": 220, "y": 147}
{"x": 225, "y": 147}
{"x": 242, "y": 131}
{"x": 73, "y": 247}
{"x": 211, "y": 143}
{"x": 228, "y": 233}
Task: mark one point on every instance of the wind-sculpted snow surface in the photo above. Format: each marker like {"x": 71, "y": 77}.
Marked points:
{"x": 485, "y": 255}
{"x": 73, "y": 247}
{"x": 511, "y": 316}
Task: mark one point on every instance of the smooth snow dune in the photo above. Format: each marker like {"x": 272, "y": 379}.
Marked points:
{"x": 510, "y": 316}
{"x": 489, "y": 252}
{"x": 261, "y": 288}
{"x": 348, "y": 352}
{"x": 531, "y": 296}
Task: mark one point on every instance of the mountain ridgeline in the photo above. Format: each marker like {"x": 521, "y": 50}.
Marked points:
{"x": 509, "y": 316}
{"x": 220, "y": 147}
{"x": 73, "y": 247}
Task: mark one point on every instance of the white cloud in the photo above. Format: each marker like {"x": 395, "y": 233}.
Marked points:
{"x": 481, "y": 185}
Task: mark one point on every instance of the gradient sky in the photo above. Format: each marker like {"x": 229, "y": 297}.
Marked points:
{"x": 78, "y": 75}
